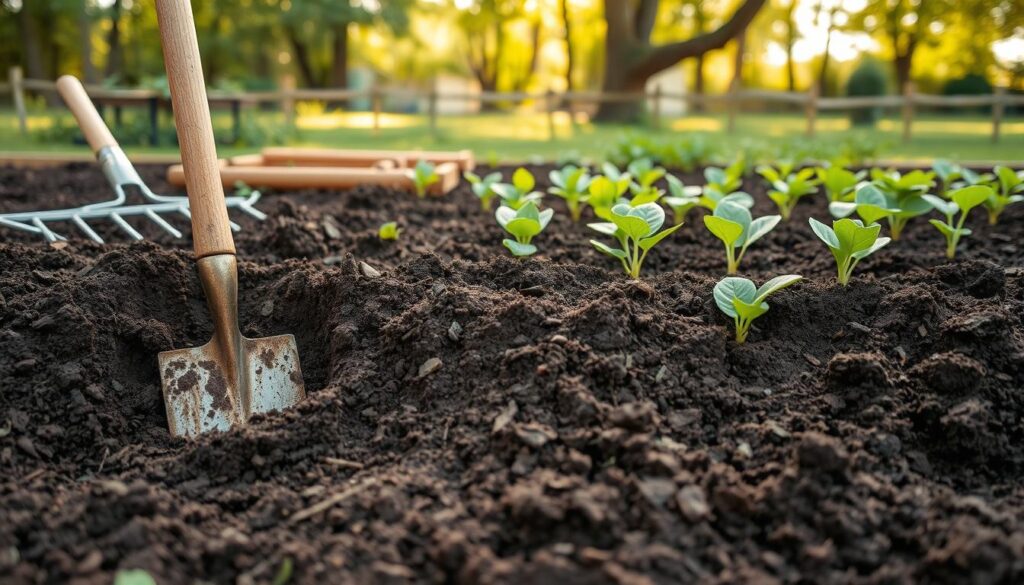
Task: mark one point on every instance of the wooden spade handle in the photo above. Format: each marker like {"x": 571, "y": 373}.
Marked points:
{"x": 89, "y": 120}
{"x": 211, "y": 230}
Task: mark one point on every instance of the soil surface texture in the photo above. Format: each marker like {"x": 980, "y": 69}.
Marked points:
{"x": 476, "y": 418}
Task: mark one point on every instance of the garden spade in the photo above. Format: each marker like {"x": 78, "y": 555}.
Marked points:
{"x": 223, "y": 383}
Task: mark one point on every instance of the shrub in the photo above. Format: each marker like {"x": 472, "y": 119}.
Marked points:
{"x": 868, "y": 79}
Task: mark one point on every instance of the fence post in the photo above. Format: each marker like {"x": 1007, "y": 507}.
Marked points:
{"x": 998, "y": 109}
{"x": 288, "y": 100}
{"x": 551, "y": 106}
{"x": 732, "y": 104}
{"x": 376, "y": 101}
{"x": 812, "y": 109}
{"x": 656, "y": 108}
{"x": 908, "y": 110}
{"x": 432, "y": 110}
{"x": 18, "y": 94}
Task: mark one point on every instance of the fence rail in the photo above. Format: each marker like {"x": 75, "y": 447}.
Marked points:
{"x": 810, "y": 102}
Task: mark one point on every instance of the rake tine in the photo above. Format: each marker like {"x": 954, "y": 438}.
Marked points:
{"x": 85, "y": 228}
{"x": 162, "y": 223}
{"x": 252, "y": 211}
{"x": 19, "y": 226}
{"x": 124, "y": 226}
{"x": 234, "y": 226}
{"x": 47, "y": 233}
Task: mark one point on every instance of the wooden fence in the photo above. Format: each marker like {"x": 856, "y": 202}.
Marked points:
{"x": 733, "y": 100}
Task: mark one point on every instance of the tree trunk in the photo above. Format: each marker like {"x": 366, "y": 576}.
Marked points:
{"x": 85, "y": 34}
{"x": 568, "y": 45}
{"x": 738, "y": 60}
{"x": 698, "y": 82}
{"x": 823, "y": 71}
{"x": 302, "y": 60}
{"x": 630, "y": 59}
{"x": 34, "y": 68}
{"x": 339, "y": 68}
{"x": 115, "y": 58}
{"x": 790, "y": 41}
{"x": 522, "y": 82}
{"x": 901, "y": 65}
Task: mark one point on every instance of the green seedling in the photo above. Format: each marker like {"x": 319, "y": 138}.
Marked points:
{"x": 711, "y": 197}
{"x": 868, "y": 202}
{"x": 636, "y": 230}
{"x": 645, "y": 175}
{"x": 850, "y": 242}
{"x": 727, "y": 180}
{"x": 839, "y": 183}
{"x": 948, "y": 173}
{"x": 903, "y": 194}
{"x": 788, "y": 188}
{"x": 963, "y": 201}
{"x": 389, "y": 231}
{"x": 424, "y": 175}
{"x": 520, "y": 191}
{"x": 681, "y": 198}
{"x": 571, "y": 183}
{"x": 1008, "y": 188}
{"x": 483, "y": 187}
{"x": 734, "y": 225}
{"x": 740, "y": 299}
{"x": 523, "y": 223}
{"x": 604, "y": 193}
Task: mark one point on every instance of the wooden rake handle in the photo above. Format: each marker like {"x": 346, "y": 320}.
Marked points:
{"x": 211, "y": 230}
{"x": 89, "y": 120}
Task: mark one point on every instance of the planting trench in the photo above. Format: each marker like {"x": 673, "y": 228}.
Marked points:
{"x": 474, "y": 418}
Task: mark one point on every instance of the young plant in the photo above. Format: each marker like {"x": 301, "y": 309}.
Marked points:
{"x": 423, "y": 176}
{"x": 727, "y": 180}
{"x": 740, "y": 299}
{"x": 636, "y": 230}
{"x": 733, "y": 224}
{"x": 604, "y": 193}
{"x": 389, "y": 231}
{"x": 483, "y": 187}
{"x": 520, "y": 191}
{"x": 903, "y": 194}
{"x": 948, "y": 173}
{"x": 850, "y": 242}
{"x": 1008, "y": 188}
{"x": 645, "y": 175}
{"x": 571, "y": 183}
{"x": 839, "y": 183}
{"x": 869, "y": 202}
{"x": 962, "y": 200}
{"x": 523, "y": 223}
{"x": 681, "y": 199}
{"x": 789, "y": 188}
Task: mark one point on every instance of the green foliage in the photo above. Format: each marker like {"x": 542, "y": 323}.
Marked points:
{"x": 389, "y": 231}
{"x": 740, "y": 299}
{"x": 520, "y": 191}
{"x": 644, "y": 175}
{"x": 681, "y": 198}
{"x": 839, "y": 183}
{"x": 686, "y": 152}
{"x": 850, "y": 242}
{"x": 605, "y": 192}
{"x": 787, "y": 186}
{"x": 889, "y": 195}
{"x": 523, "y": 224}
{"x": 284, "y": 572}
{"x": 133, "y": 577}
{"x": 963, "y": 201}
{"x": 1008, "y": 188}
{"x": 733, "y": 224}
{"x": 727, "y": 180}
{"x": 636, "y": 231}
{"x": 424, "y": 175}
{"x": 868, "y": 79}
{"x": 483, "y": 187}
{"x": 571, "y": 183}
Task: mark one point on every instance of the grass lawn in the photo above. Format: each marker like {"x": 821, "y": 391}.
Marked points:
{"x": 525, "y": 136}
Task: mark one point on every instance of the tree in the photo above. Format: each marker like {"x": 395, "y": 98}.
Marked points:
{"x": 905, "y": 24}
{"x": 485, "y": 23}
{"x": 564, "y": 5}
{"x": 631, "y": 59}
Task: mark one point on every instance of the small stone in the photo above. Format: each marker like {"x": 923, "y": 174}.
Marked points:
{"x": 368, "y": 271}
{"x": 505, "y": 417}
{"x": 535, "y": 435}
{"x": 454, "y": 331}
{"x": 94, "y": 392}
{"x": 818, "y": 451}
{"x": 91, "y": 563}
{"x": 429, "y": 367}
{"x": 114, "y": 487}
{"x": 58, "y": 245}
{"x": 693, "y": 504}
{"x": 331, "y": 227}
{"x": 777, "y": 430}
{"x": 26, "y": 445}
{"x": 743, "y": 450}
{"x": 559, "y": 339}
{"x": 24, "y": 366}
{"x": 267, "y": 308}
{"x": 858, "y": 327}
{"x": 662, "y": 372}
{"x": 657, "y": 491}
{"x": 812, "y": 360}
{"x": 922, "y": 331}
{"x": 44, "y": 322}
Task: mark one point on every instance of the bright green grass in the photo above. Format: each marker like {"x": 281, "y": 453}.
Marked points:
{"x": 524, "y": 136}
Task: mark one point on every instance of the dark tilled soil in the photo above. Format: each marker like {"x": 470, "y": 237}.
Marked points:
{"x": 474, "y": 418}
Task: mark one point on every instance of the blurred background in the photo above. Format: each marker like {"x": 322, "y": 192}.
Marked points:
{"x": 522, "y": 80}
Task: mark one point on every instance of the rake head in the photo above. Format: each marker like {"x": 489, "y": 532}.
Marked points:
{"x": 120, "y": 174}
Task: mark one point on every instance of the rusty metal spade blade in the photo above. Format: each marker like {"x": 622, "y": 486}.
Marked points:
{"x": 223, "y": 383}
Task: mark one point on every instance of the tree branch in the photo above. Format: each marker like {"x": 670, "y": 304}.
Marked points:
{"x": 665, "y": 56}
{"x": 646, "y": 14}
